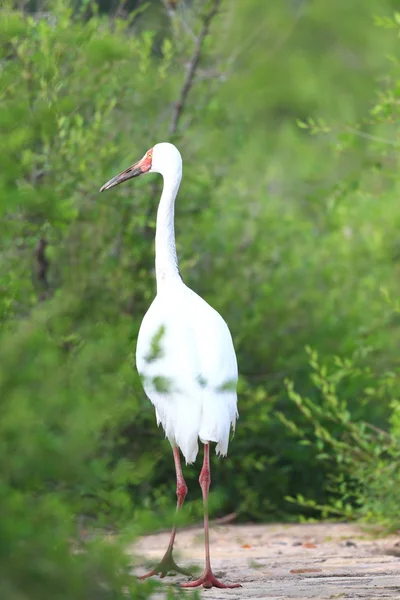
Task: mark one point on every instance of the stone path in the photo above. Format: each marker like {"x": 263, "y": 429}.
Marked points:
{"x": 322, "y": 561}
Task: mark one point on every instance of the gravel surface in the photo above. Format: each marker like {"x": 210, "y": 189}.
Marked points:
{"x": 286, "y": 561}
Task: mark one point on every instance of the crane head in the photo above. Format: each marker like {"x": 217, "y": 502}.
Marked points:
{"x": 142, "y": 166}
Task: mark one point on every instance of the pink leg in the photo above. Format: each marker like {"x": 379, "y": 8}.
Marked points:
{"x": 167, "y": 563}
{"x": 207, "y": 580}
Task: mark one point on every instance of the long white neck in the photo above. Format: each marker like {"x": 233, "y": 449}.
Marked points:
{"x": 166, "y": 259}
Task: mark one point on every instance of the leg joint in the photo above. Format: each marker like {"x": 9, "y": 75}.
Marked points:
{"x": 181, "y": 489}
{"x": 205, "y": 477}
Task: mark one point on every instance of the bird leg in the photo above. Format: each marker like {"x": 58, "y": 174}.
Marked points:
{"x": 167, "y": 563}
{"x": 207, "y": 580}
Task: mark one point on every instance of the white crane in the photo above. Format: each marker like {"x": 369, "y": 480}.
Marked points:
{"x": 185, "y": 356}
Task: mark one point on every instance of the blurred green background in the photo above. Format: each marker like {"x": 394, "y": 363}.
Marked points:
{"x": 287, "y": 223}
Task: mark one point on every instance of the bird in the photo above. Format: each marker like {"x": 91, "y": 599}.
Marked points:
{"x": 185, "y": 357}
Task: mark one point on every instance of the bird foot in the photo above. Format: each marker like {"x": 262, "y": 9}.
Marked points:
{"x": 165, "y": 566}
{"x": 207, "y": 580}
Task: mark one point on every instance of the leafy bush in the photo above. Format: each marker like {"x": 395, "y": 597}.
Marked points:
{"x": 351, "y": 418}
{"x": 67, "y": 387}
{"x": 59, "y": 476}
{"x": 281, "y": 231}
{"x": 363, "y": 460}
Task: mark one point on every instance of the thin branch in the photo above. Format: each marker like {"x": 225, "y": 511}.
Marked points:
{"x": 379, "y": 431}
{"x": 192, "y": 67}
{"x": 187, "y": 85}
{"x": 119, "y": 11}
{"x": 42, "y": 267}
{"x": 373, "y": 138}
{"x": 170, "y": 7}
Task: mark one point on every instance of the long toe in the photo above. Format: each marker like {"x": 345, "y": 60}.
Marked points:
{"x": 208, "y": 580}
{"x": 174, "y": 568}
{"x": 166, "y": 566}
{"x": 149, "y": 574}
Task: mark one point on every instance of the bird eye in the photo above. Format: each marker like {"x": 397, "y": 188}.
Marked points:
{"x": 149, "y": 155}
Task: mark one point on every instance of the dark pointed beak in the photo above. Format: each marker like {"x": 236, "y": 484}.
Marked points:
{"x": 142, "y": 166}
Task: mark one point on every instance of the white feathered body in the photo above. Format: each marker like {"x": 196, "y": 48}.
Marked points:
{"x": 187, "y": 362}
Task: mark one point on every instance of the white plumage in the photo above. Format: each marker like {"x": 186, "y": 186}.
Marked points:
{"x": 192, "y": 376}
{"x": 192, "y": 379}
{"x": 185, "y": 356}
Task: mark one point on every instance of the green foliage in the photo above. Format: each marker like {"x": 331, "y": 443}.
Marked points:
{"x": 67, "y": 388}
{"x": 292, "y": 237}
{"x": 57, "y": 470}
{"x": 350, "y": 420}
{"x": 363, "y": 460}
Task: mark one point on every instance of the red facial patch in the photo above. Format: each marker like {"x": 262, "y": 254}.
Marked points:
{"x": 147, "y": 161}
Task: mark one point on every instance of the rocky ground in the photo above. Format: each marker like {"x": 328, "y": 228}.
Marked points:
{"x": 287, "y": 561}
